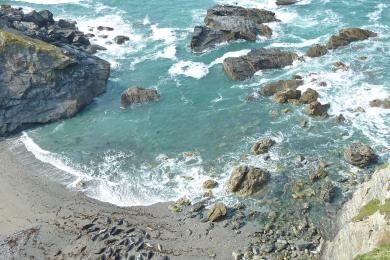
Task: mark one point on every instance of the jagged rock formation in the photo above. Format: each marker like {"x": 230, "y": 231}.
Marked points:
{"x": 224, "y": 23}
{"x": 244, "y": 67}
{"x": 41, "y": 82}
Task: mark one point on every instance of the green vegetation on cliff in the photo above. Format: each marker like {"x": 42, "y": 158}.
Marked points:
{"x": 371, "y": 207}
{"x": 380, "y": 253}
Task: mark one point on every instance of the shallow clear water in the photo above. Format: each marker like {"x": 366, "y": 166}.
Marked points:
{"x": 202, "y": 127}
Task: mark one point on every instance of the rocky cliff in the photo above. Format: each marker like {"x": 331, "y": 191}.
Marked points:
{"x": 363, "y": 222}
{"x": 43, "y": 81}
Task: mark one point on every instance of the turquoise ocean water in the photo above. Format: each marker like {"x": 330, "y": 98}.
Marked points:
{"x": 202, "y": 127}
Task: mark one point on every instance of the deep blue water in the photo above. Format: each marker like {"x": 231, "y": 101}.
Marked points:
{"x": 202, "y": 127}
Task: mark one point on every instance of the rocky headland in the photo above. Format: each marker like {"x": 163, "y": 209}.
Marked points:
{"x": 48, "y": 71}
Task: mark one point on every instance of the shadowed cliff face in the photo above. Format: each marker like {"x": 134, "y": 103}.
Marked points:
{"x": 41, "y": 83}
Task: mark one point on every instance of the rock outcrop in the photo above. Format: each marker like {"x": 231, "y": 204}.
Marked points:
{"x": 360, "y": 155}
{"x": 309, "y": 96}
{"x": 247, "y": 180}
{"x": 224, "y": 23}
{"x": 347, "y": 36}
{"x": 244, "y": 67}
{"x": 281, "y": 85}
{"x": 316, "y": 50}
{"x": 317, "y": 109}
{"x": 263, "y": 146}
{"x": 44, "y": 76}
{"x": 137, "y": 95}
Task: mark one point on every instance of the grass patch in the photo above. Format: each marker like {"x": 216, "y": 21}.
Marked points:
{"x": 385, "y": 208}
{"x": 369, "y": 209}
{"x": 380, "y": 253}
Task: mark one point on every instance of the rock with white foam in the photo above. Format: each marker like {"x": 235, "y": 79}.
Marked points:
{"x": 138, "y": 95}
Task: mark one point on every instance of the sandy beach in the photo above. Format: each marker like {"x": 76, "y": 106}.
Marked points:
{"x": 42, "y": 219}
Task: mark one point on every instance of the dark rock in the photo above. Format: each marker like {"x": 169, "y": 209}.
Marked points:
{"x": 302, "y": 244}
{"x": 346, "y": 36}
{"x": 120, "y": 39}
{"x": 263, "y": 146}
{"x": 217, "y": 212}
{"x": 382, "y": 103}
{"x": 286, "y": 2}
{"x": 47, "y": 16}
{"x": 247, "y": 180}
{"x": 93, "y": 48}
{"x": 316, "y": 51}
{"x": 66, "y": 24}
{"x": 137, "y": 95}
{"x": 35, "y": 17}
{"x": 244, "y": 67}
{"x": 340, "y": 119}
{"x": 317, "y": 109}
{"x": 339, "y": 66}
{"x": 309, "y": 96}
{"x": 105, "y": 28}
{"x": 360, "y": 155}
{"x": 225, "y": 23}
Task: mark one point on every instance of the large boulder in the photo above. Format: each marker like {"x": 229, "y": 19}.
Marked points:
{"x": 382, "y": 103}
{"x": 225, "y": 23}
{"x": 346, "y": 36}
{"x": 137, "y": 95}
{"x": 360, "y": 155}
{"x": 247, "y": 180}
{"x": 244, "y": 67}
{"x": 41, "y": 83}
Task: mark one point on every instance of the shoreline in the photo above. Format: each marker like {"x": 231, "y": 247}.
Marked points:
{"x": 42, "y": 218}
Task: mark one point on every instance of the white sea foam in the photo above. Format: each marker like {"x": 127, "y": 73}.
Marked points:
{"x": 376, "y": 15}
{"x": 192, "y": 69}
{"x": 199, "y": 70}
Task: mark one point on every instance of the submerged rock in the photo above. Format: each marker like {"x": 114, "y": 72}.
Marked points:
{"x": 137, "y": 95}
{"x": 120, "y": 39}
{"x": 247, "y": 180}
{"x": 382, "y": 103}
{"x": 360, "y": 155}
{"x": 316, "y": 50}
{"x": 209, "y": 184}
{"x": 263, "y": 146}
{"x": 244, "y": 67}
{"x": 225, "y": 23}
{"x": 347, "y": 36}
{"x": 217, "y": 212}
{"x": 326, "y": 192}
